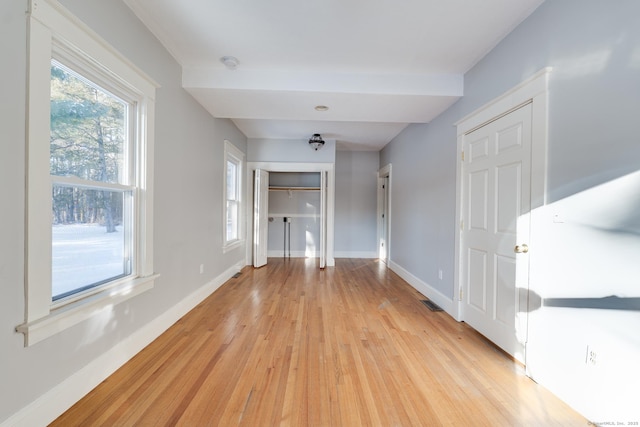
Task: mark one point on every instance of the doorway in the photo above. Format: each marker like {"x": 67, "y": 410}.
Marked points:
{"x": 495, "y": 232}
{"x": 501, "y": 176}
{"x": 384, "y": 213}
{"x": 302, "y": 207}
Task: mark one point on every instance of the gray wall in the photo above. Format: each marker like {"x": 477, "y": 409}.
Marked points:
{"x": 356, "y": 204}
{"x": 189, "y": 153}
{"x": 593, "y": 152}
{"x": 423, "y": 192}
{"x": 288, "y": 150}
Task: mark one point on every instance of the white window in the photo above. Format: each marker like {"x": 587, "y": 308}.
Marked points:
{"x": 92, "y": 171}
{"x": 233, "y": 169}
{"x": 89, "y": 191}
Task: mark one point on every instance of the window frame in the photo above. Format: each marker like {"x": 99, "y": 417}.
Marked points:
{"x": 53, "y": 33}
{"x": 81, "y": 69}
{"x": 234, "y": 155}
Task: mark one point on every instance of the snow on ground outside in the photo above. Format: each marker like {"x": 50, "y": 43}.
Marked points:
{"x": 84, "y": 254}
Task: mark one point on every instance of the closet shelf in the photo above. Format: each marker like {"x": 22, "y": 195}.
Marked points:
{"x": 278, "y": 188}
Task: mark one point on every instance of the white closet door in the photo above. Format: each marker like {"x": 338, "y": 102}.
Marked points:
{"x": 497, "y": 196}
{"x": 260, "y": 217}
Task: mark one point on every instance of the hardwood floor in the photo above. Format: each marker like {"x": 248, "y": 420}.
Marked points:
{"x": 289, "y": 344}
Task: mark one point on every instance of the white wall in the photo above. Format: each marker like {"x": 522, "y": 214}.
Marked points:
{"x": 189, "y": 153}
{"x": 356, "y": 204}
{"x": 593, "y": 156}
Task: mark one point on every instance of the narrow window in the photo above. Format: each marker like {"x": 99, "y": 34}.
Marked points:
{"x": 232, "y": 201}
{"x": 233, "y": 197}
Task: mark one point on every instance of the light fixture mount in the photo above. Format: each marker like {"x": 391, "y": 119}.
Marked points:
{"x": 316, "y": 142}
{"x": 231, "y": 62}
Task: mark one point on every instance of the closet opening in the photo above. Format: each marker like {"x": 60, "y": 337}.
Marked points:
{"x": 292, "y": 213}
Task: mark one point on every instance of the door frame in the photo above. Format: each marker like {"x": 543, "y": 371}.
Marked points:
{"x": 535, "y": 90}
{"x": 384, "y": 173}
{"x": 297, "y": 167}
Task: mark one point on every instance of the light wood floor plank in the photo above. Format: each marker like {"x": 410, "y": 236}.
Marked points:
{"x": 292, "y": 345}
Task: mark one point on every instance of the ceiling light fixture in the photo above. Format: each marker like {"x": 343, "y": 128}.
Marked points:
{"x": 316, "y": 142}
{"x": 231, "y": 62}
{"x": 321, "y": 108}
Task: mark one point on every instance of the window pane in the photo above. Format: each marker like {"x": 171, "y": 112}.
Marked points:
{"x": 88, "y": 129}
{"x": 231, "y": 180}
{"x": 232, "y": 220}
{"x": 89, "y": 239}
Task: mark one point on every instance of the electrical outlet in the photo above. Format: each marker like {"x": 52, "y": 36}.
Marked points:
{"x": 592, "y": 356}
{"x": 201, "y": 268}
{"x": 440, "y": 274}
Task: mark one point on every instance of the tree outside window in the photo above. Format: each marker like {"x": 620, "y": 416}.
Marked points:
{"x": 88, "y": 151}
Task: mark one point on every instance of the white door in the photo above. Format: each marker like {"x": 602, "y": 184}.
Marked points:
{"x": 384, "y": 237}
{"x": 260, "y": 217}
{"x": 323, "y": 219}
{"x": 495, "y": 229}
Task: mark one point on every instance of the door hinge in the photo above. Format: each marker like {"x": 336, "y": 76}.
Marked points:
{"x": 383, "y": 186}
{"x": 462, "y": 156}
{"x": 462, "y": 225}
{"x": 461, "y": 294}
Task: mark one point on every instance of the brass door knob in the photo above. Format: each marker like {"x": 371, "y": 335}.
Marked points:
{"x": 521, "y": 249}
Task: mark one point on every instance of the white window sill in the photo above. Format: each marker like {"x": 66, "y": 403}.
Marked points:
{"x": 73, "y": 313}
{"x": 232, "y": 245}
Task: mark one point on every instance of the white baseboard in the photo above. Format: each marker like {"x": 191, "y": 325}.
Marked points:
{"x": 53, "y": 403}
{"x": 447, "y": 304}
{"x": 356, "y": 254}
{"x": 338, "y": 254}
{"x": 294, "y": 254}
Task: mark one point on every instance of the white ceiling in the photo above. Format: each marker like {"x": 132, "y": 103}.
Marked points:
{"x": 378, "y": 65}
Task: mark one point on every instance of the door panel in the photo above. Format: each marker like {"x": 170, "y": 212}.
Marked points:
{"x": 478, "y": 149}
{"x": 505, "y": 291}
{"x": 509, "y": 138}
{"x": 507, "y": 197}
{"x": 478, "y": 269}
{"x": 497, "y": 178}
{"x": 260, "y": 217}
{"x": 478, "y": 186}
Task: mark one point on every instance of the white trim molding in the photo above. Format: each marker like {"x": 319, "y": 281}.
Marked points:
{"x": 356, "y": 254}
{"x": 231, "y": 152}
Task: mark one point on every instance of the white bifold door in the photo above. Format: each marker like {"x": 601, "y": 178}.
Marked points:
{"x": 260, "y": 217}
{"x": 495, "y": 229}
